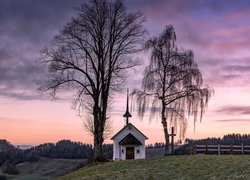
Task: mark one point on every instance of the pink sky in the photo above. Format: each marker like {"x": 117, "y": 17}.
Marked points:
{"x": 218, "y": 33}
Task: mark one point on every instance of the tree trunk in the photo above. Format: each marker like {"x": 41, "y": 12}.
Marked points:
{"x": 98, "y": 153}
{"x": 165, "y": 126}
{"x": 98, "y": 134}
{"x": 165, "y": 129}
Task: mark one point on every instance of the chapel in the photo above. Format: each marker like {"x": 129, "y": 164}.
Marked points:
{"x": 129, "y": 142}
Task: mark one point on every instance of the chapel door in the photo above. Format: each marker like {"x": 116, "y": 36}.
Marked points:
{"x": 130, "y": 153}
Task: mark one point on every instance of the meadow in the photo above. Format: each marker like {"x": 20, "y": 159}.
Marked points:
{"x": 172, "y": 167}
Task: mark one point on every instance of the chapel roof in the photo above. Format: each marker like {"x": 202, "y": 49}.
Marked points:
{"x": 129, "y": 125}
{"x": 130, "y": 140}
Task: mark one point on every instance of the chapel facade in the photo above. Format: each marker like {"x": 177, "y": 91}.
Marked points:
{"x": 129, "y": 142}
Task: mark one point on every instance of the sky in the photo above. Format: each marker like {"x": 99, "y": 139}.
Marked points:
{"x": 217, "y": 31}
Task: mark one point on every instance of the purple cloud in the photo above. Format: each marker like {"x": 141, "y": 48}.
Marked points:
{"x": 234, "y": 110}
{"x": 232, "y": 120}
{"x": 26, "y": 27}
{"x": 212, "y": 29}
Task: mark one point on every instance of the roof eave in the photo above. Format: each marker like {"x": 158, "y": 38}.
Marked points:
{"x": 124, "y": 128}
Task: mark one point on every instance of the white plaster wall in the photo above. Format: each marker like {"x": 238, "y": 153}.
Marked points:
{"x": 143, "y": 153}
{"x": 117, "y": 149}
{"x": 122, "y": 156}
{"x": 138, "y": 155}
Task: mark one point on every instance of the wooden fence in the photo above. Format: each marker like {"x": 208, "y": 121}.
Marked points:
{"x": 229, "y": 149}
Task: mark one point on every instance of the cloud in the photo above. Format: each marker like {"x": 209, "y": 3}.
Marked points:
{"x": 27, "y": 27}
{"x": 19, "y": 76}
{"x": 233, "y": 32}
{"x": 232, "y": 45}
{"x": 232, "y": 120}
{"x": 225, "y": 71}
{"x": 209, "y": 29}
{"x": 203, "y": 26}
{"x": 34, "y": 20}
{"x": 234, "y": 110}
{"x": 4, "y": 119}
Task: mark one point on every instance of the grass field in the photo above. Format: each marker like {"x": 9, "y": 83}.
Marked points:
{"x": 174, "y": 167}
{"x": 45, "y": 168}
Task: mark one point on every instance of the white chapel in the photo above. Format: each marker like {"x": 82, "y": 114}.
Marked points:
{"x": 129, "y": 142}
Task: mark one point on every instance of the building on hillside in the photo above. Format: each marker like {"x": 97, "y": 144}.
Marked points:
{"x": 129, "y": 142}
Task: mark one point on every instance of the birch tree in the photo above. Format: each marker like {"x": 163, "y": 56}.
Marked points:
{"x": 172, "y": 85}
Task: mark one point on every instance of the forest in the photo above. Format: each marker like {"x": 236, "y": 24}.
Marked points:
{"x": 67, "y": 149}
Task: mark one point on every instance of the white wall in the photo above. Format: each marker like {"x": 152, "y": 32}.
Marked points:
{"x": 117, "y": 149}
{"x": 139, "y": 155}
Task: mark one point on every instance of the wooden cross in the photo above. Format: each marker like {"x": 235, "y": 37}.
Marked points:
{"x": 172, "y": 139}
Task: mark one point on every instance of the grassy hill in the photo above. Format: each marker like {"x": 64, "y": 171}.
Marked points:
{"x": 174, "y": 167}
{"x": 46, "y": 168}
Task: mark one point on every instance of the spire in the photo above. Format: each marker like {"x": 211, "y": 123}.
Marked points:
{"x": 127, "y": 114}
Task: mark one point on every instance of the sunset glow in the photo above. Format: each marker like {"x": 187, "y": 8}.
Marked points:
{"x": 217, "y": 31}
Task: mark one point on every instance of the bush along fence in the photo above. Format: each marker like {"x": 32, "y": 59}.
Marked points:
{"x": 221, "y": 149}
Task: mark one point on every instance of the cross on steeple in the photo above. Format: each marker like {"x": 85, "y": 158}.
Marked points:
{"x": 127, "y": 114}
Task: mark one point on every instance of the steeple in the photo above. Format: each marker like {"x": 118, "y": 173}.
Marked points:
{"x": 127, "y": 114}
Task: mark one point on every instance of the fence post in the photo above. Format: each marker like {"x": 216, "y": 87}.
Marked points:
{"x": 242, "y": 148}
{"x": 218, "y": 149}
{"x": 231, "y": 148}
{"x": 206, "y": 149}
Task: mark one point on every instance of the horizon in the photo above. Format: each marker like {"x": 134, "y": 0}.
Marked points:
{"x": 28, "y": 146}
{"x": 217, "y": 32}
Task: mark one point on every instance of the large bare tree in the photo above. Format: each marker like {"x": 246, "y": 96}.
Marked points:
{"x": 91, "y": 56}
{"x": 172, "y": 84}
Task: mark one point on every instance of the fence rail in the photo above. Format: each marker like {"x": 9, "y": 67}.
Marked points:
{"x": 222, "y": 148}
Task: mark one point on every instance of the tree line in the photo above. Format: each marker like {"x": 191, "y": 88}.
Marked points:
{"x": 155, "y": 145}
{"x": 65, "y": 149}
{"x": 229, "y": 139}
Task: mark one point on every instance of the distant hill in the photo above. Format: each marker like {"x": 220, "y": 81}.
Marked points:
{"x": 158, "y": 151}
{"x": 65, "y": 149}
{"x": 10, "y": 153}
{"x": 6, "y": 146}
{"x": 24, "y": 146}
{"x": 46, "y": 168}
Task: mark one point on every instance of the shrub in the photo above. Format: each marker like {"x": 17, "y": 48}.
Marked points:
{"x": 9, "y": 168}
{"x": 2, "y": 177}
{"x": 32, "y": 157}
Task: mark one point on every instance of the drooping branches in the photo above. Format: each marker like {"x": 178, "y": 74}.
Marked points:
{"x": 172, "y": 84}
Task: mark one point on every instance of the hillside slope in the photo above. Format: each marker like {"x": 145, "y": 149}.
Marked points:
{"x": 174, "y": 167}
{"x": 46, "y": 168}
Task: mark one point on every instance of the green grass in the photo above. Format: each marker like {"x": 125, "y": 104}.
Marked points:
{"x": 174, "y": 167}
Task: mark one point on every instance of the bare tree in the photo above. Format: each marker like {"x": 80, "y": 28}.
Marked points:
{"x": 172, "y": 85}
{"x": 92, "y": 55}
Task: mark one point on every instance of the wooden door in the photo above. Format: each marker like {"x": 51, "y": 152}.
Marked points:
{"x": 130, "y": 153}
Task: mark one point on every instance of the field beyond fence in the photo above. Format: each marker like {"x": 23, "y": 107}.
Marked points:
{"x": 222, "y": 149}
